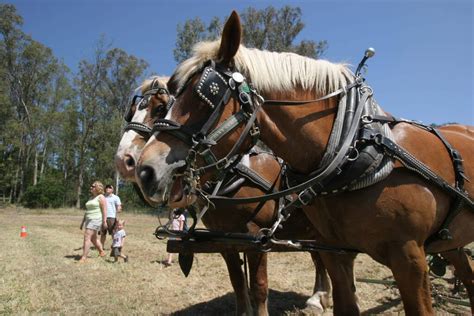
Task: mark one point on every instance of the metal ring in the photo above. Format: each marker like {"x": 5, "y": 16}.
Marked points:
{"x": 244, "y": 97}
{"x": 356, "y": 154}
{"x": 232, "y": 84}
{"x": 367, "y": 119}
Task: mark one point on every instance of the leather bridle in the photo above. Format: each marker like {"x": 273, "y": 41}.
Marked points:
{"x": 215, "y": 87}
{"x": 141, "y": 102}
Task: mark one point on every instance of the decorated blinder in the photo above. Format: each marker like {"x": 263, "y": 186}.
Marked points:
{"x": 212, "y": 87}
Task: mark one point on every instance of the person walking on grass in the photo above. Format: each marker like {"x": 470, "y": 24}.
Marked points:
{"x": 177, "y": 220}
{"x": 94, "y": 220}
{"x": 114, "y": 206}
{"x": 118, "y": 241}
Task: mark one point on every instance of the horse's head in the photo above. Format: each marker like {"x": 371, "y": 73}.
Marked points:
{"x": 216, "y": 109}
{"x": 147, "y": 104}
{"x": 211, "y": 94}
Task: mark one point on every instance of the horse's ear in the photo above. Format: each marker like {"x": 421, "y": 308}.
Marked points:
{"x": 172, "y": 84}
{"x": 231, "y": 36}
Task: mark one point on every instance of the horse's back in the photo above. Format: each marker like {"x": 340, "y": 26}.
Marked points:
{"x": 465, "y": 130}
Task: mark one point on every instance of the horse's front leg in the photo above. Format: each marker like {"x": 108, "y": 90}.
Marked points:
{"x": 321, "y": 298}
{"x": 239, "y": 283}
{"x": 258, "y": 281}
{"x": 464, "y": 270}
{"x": 341, "y": 270}
{"x": 410, "y": 270}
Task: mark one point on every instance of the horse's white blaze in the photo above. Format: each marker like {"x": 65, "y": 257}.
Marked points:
{"x": 126, "y": 145}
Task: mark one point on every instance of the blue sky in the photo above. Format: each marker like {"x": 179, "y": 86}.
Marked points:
{"x": 422, "y": 70}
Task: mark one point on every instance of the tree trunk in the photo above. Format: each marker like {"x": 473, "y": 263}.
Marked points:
{"x": 80, "y": 182}
{"x": 21, "y": 185}
{"x": 43, "y": 161}
{"x": 117, "y": 180}
{"x": 35, "y": 168}
{"x": 24, "y": 167}
{"x": 16, "y": 180}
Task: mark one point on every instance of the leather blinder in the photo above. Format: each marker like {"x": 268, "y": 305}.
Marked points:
{"x": 212, "y": 88}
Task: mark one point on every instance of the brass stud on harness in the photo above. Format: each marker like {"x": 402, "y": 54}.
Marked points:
{"x": 214, "y": 88}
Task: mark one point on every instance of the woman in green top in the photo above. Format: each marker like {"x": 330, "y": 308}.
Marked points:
{"x": 95, "y": 219}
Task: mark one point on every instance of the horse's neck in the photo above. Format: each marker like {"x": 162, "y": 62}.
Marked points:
{"x": 299, "y": 134}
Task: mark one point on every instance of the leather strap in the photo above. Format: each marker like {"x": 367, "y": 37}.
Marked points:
{"x": 409, "y": 161}
{"x": 344, "y": 89}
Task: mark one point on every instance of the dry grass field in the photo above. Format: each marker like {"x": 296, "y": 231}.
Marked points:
{"x": 40, "y": 274}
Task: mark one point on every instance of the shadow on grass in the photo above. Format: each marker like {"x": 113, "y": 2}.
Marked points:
{"x": 385, "y": 305}
{"x": 278, "y": 303}
{"x": 75, "y": 257}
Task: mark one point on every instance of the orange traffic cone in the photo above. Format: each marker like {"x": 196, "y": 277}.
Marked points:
{"x": 23, "y": 232}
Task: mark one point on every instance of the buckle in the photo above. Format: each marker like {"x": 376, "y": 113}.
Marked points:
{"x": 255, "y": 131}
{"x": 304, "y": 198}
{"x": 221, "y": 164}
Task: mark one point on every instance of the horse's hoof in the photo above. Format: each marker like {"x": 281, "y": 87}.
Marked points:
{"x": 314, "y": 304}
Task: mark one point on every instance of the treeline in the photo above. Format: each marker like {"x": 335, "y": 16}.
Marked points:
{"x": 59, "y": 130}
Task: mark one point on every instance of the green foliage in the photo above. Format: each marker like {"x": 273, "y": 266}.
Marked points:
{"x": 268, "y": 29}
{"x": 58, "y": 125}
{"x": 45, "y": 194}
{"x": 190, "y": 33}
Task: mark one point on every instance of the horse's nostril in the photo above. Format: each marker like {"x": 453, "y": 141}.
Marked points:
{"x": 147, "y": 177}
{"x": 146, "y": 174}
{"x": 129, "y": 161}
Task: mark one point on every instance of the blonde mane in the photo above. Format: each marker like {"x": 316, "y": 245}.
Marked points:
{"x": 271, "y": 71}
{"x": 146, "y": 85}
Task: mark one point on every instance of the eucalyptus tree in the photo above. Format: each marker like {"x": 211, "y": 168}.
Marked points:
{"x": 103, "y": 87}
{"x": 124, "y": 72}
{"x": 269, "y": 29}
{"x": 27, "y": 69}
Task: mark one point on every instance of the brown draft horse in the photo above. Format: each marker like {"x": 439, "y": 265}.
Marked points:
{"x": 390, "y": 220}
{"x": 234, "y": 219}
